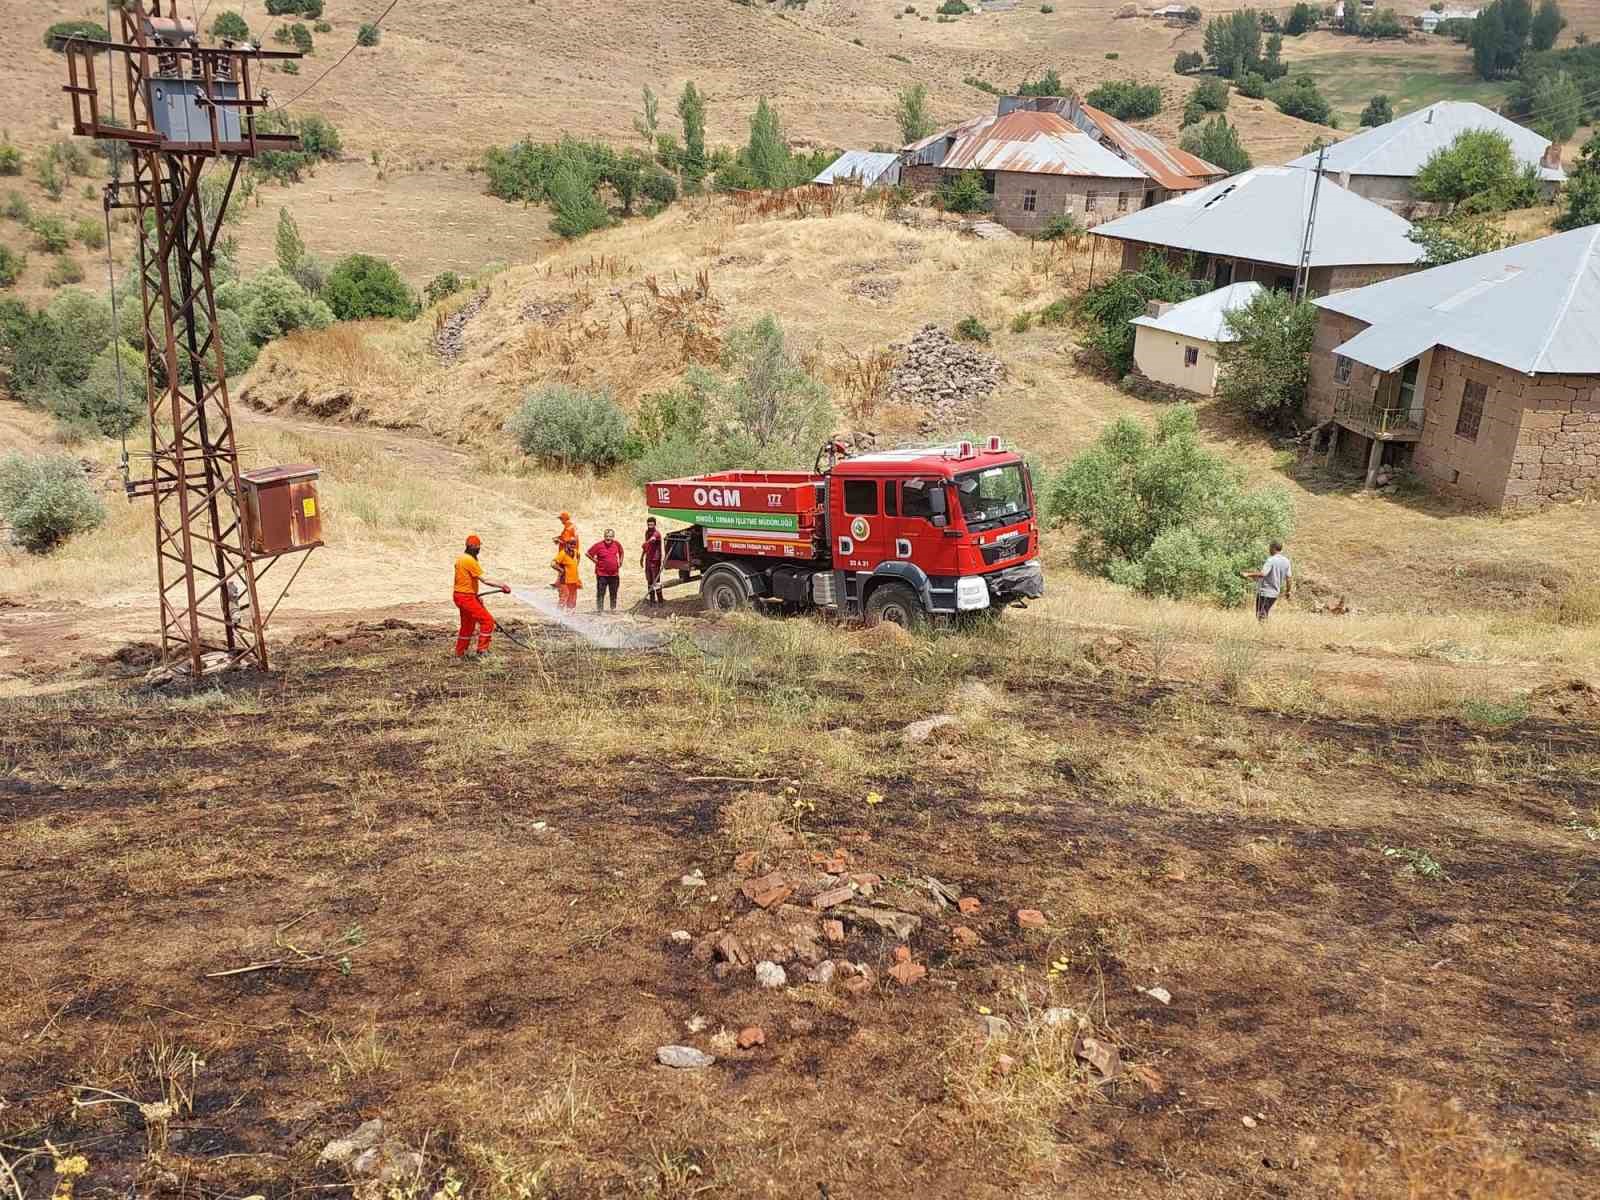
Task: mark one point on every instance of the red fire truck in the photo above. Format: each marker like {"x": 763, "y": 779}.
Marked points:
{"x": 895, "y": 535}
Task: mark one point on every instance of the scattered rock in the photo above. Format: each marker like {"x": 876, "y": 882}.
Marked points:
{"x": 344, "y": 1150}
{"x": 449, "y": 337}
{"x": 834, "y": 864}
{"x": 922, "y": 731}
{"x": 731, "y": 950}
{"x": 694, "y": 879}
{"x": 681, "y": 936}
{"x": 770, "y": 975}
{"x": 902, "y": 925}
{"x": 1003, "y": 1064}
{"x": 697, "y": 1024}
{"x": 1060, "y": 1016}
{"x": 1103, "y": 1057}
{"x": 1248, "y": 1122}
{"x": 722, "y": 1041}
{"x": 370, "y": 1155}
{"x": 866, "y": 883}
{"x": 772, "y": 897}
{"x": 972, "y": 693}
{"x": 822, "y": 974}
{"x": 767, "y": 891}
{"x": 1030, "y": 918}
{"x": 829, "y": 899}
{"x": 905, "y": 972}
{"x": 947, "y": 378}
{"x": 751, "y": 1035}
{"x": 943, "y": 894}
{"x": 685, "y": 1058}
{"x": 963, "y": 935}
{"x": 800, "y": 1026}
{"x": 969, "y": 905}
{"x": 857, "y": 984}
{"x": 1158, "y": 993}
{"x": 746, "y": 861}
{"x": 994, "y": 1029}
{"x": 833, "y": 930}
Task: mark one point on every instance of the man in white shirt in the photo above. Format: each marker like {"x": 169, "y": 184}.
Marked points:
{"x": 1272, "y": 580}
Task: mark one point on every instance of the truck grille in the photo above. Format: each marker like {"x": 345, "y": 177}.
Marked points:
{"x": 1000, "y": 551}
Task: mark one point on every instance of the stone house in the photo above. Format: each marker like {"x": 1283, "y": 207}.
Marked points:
{"x": 1481, "y": 376}
{"x": 1037, "y": 163}
{"x": 1381, "y": 164}
{"x": 1251, "y": 227}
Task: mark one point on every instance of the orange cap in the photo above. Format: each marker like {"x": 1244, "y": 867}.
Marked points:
{"x": 474, "y": 540}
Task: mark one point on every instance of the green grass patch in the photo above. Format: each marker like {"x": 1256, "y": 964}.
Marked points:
{"x": 1494, "y": 712}
{"x": 1409, "y": 80}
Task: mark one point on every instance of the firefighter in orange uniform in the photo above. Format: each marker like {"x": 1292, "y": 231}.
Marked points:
{"x": 568, "y": 580}
{"x": 468, "y": 576}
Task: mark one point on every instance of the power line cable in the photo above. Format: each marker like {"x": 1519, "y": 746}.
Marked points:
{"x": 337, "y": 64}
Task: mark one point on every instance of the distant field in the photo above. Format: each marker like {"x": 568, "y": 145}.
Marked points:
{"x": 1410, "y": 80}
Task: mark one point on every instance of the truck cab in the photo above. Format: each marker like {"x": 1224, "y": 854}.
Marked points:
{"x": 897, "y": 535}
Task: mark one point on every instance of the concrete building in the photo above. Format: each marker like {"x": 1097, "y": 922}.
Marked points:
{"x": 1176, "y": 344}
{"x": 1481, "y": 376}
{"x": 864, "y": 168}
{"x": 1252, "y": 227}
{"x": 1381, "y": 164}
{"x": 1037, "y": 163}
{"x": 1430, "y": 20}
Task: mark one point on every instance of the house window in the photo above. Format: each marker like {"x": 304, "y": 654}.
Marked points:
{"x": 1122, "y": 201}
{"x": 1091, "y": 201}
{"x": 1030, "y": 199}
{"x": 1191, "y": 355}
{"x": 861, "y": 497}
{"x": 1471, "y": 414}
{"x": 1341, "y": 369}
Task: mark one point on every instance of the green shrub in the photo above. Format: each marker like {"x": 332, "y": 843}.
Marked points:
{"x": 272, "y": 304}
{"x": 322, "y": 27}
{"x": 965, "y": 193}
{"x": 1377, "y": 112}
{"x": 91, "y": 233}
{"x": 1110, "y": 306}
{"x": 1217, "y": 142}
{"x": 96, "y": 407}
{"x": 289, "y": 67}
{"x": 970, "y": 329}
{"x": 1451, "y": 239}
{"x": 1583, "y": 189}
{"x": 1478, "y": 166}
{"x": 49, "y": 176}
{"x": 301, "y": 37}
{"x": 442, "y": 286}
{"x": 983, "y": 85}
{"x": 1160, "y": 514}
{"x": 1022, "y": 322}
{"x": 63, "y": 272}
{"x": 566, "y": 427}
{"x": 1048, "y": 84}
{"x": 50, "y": 234}
{"x": 1188, "y": 61}
{"x": 578, "y": 210}
{"x": 232, "y": 26}
{"x": 360, "y": 287}
{"x": 17, "y": 208}
{"x": 90, "y": 30}
{"x": 1265, "y": 370}
{"x": 1210, "y": 95}
{"x": 1253, "y": 85}
{"x": 368, "y": 35}
{"x": 1047, "y": 8}
{"x": 1300, "y": 97}
{"x": 10, "y": 159}
{"x": 1126, "y": 100}
{"x": 1113, "y": 55}
{"x": 1062, "y": 225}
{"x": 952, "y": 8}
{"x": 12, "y": 263}
{"x": 46, "y": 499}
{"x": 319, "y": 141}
{"x": 1057, "y": 312}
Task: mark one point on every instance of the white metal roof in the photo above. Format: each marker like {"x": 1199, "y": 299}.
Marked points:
{"x": 1204, "y": 317}
{"x": 1534, "y": 308}
{"x": 1261, "y": 215}
{"x": 1403, "y": 145}
{"x": 864, "y": 166}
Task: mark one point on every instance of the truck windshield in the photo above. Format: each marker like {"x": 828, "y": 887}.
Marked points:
{"x": 993, "y": 496}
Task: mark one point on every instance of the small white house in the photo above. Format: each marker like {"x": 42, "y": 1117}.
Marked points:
{"x": 1177, "y": 344}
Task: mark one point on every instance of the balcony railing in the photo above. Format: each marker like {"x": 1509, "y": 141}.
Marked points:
{"x": 1378, "y": 420}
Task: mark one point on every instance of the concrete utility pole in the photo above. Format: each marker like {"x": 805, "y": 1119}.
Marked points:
{"x": 1302, "y": 276}
{"x": 184, "y": 106}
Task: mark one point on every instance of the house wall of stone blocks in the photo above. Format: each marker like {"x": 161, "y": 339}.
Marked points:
{"x": 1322, "y": 281}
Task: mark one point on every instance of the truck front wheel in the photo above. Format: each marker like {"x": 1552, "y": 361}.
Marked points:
{"x": 896, "y": 604}
{"x": 723, "y": 590}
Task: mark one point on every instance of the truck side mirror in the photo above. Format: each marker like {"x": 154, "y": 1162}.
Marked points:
{"x": 937, "y": 502}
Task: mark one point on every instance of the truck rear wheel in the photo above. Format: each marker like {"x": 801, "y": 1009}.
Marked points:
{"x": 895, "y": 604}
{"x": 724, "y": 590}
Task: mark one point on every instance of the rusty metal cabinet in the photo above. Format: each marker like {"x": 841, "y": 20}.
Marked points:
{"x": 280, "y": 509}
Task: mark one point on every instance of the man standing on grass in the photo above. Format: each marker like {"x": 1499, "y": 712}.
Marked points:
{"x": 606, "y": 555}
{"x": 473, "y": 614}
{"x": 1272, "y": 580}
{"x": 650, "y": 560}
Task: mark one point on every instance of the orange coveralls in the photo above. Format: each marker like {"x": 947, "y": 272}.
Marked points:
{"x": 473, "y": 613}
{"x": 566, "y": 561}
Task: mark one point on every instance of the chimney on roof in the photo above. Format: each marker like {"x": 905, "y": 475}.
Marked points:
{"x": 1157, "y": 308}
{"x": 1551, "y": 157}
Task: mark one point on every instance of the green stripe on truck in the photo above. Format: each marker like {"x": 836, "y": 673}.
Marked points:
{"x": 715, "y": 518}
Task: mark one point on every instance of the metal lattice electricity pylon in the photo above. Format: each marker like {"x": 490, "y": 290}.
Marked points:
{"x": 185, "y": 107}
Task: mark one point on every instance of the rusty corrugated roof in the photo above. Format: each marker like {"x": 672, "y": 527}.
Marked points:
{"x": 1033, "y": 143}
{"x": 1175, "y": 170}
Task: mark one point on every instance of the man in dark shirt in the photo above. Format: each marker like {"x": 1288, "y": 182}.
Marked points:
{"x": 650, "y": 560}
{"x": 606, "y": 555}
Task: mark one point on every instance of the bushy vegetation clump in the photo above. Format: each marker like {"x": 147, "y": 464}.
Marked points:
{"x": 232, "y": 26}
{"x": 1582, "y": 192}
{"x": 1127, "y": 100}
{"x": 1478, "y": 172}
{"x": 965, "y": 193}
{"x": 1218, "y": 143}
{"x": 361, "y": 287}
{"x": 565, "y": 427}
{"x": 1108, "y": 307}
{"x": 1267, "y": 366}
{"x": 1209, "y": 96}
{"x": 1377, "y": 112}
{"x": 1300, "y": 97}
{"x": 12, "y": 263}
{"x": 1160, "y": 514}
{"x": 88, "y": 30}
{"x": 46, "y": 499}
{"x": 319, "y": 142}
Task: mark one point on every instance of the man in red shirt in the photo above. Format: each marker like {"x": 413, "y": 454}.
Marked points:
{"x": 606, "y": 555}
{"x": 650, "y": 560}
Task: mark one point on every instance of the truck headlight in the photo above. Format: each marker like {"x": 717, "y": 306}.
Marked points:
{"x": 972, "y": 591}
